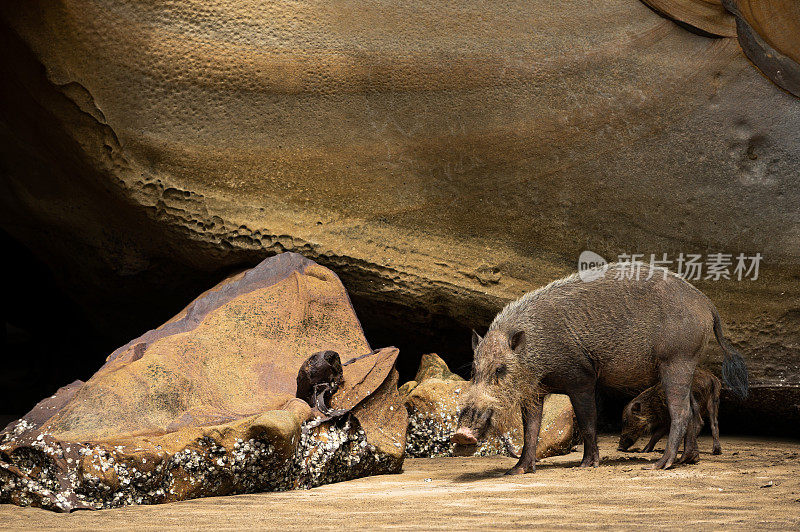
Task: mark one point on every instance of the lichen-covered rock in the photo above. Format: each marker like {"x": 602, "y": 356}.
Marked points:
{"x": 204, "y": 405}
{"x": 406, "y": 388}
{"x": 433, "y": 405}
{"x": 431, "y": 366}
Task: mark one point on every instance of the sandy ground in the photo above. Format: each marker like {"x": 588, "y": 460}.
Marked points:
{"x": 754, "y": 483}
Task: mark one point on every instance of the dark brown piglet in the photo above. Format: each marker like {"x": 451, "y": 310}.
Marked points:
{"x": 648, "y": 413}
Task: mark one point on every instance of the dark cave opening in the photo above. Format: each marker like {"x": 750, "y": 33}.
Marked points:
{"x": 49, "y": 340}
{"x": 415, "y": 332}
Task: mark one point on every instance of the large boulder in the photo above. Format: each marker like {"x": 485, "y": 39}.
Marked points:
{"x": 433, "y": 402}
{"x": 205, "y": 404}
{"x": 445, "y": 160}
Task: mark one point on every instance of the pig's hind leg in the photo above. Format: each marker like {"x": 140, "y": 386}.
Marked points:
{"x": 531, "y": 422}
{"x": 690, "y": 453}
{"x": 676, "y": 378}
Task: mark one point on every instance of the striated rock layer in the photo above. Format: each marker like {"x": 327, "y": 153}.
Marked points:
{"x": 444, "y": 160}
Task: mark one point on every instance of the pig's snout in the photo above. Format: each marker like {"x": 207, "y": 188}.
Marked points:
{"x": 472, "y": 425}
{"x": 464, "y": 436}
{"x": 625, "y": 443}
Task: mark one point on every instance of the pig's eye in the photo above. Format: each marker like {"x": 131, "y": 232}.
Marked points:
{"x": 501, "y": 371}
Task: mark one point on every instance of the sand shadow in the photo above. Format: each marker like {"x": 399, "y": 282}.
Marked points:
{"x": 494, "y": 472}
{"x": 498, "y": 472}
{"x": 618, "y": 460}
{"x": 633, "y": 460}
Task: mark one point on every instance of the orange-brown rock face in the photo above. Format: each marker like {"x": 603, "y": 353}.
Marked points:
{"x": 443, "y": 160}
{"x": 205, "y": 404}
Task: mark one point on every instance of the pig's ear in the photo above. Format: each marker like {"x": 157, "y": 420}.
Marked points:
{"x": 636, "y": 407}
{"x": 516, "y": 340}
{"x": 476, "y": 339}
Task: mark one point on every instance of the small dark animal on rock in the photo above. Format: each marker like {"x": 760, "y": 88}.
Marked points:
{"x": 319, "y": 378}
{"x": 628, "y": 329}
{"x": 648, "y": 413}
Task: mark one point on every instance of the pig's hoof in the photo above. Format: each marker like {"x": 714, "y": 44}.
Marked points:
{"x": 717, "y": 450}
{"x": 519, "y": 470}
{"x": 660, "y": 465}
{"x": 691, "y": 459}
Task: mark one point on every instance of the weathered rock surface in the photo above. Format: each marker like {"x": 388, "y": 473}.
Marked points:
{"x": 443, "y": 160}
{"x": 432, "y": 401}
{"x": 708, "y": 16}
{"x": 769, "y": 32}
{"x": 205, "y": 404}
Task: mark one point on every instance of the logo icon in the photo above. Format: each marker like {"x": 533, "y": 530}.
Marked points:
{"x": 591, "y": 266}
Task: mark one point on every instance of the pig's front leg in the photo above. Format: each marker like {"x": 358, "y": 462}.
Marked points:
{"x": 659, "y": 433}
{"x": 531, "y": 422}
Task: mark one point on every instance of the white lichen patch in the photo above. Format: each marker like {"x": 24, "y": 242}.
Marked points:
{"x": 37, "y": 474}
{"x": 429, "y": 435}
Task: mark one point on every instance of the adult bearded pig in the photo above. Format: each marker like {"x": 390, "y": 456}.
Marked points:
{"x": 621, "y": 329}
